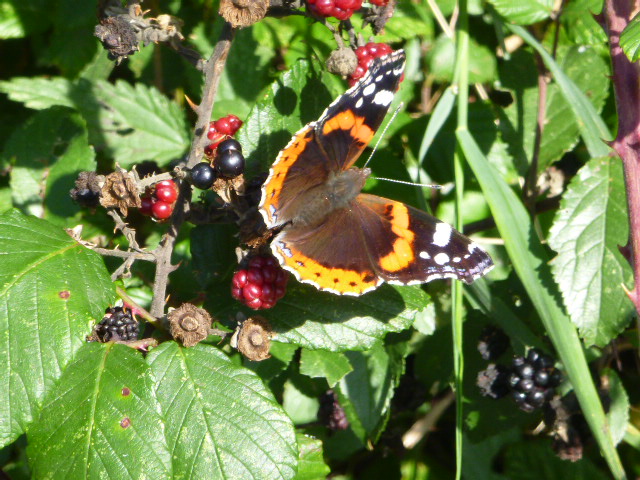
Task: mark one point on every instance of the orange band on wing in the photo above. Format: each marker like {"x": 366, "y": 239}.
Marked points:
{"x": 279, "y": 169}
{"x": 403, "y": 253}
{"x": 340, "y": 280}
{"x": 347, "y": 120}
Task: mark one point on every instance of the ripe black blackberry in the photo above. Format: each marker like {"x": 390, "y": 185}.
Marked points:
{"x": 533, "y": 380}
{"x": 202, "y": 176}
{"x": 331, "y": 414}
{"x": 493, "y": 343}
{"x": 117, "y": 325}
{"x": 494, "y": 381}
{"x": 229, "y": 163}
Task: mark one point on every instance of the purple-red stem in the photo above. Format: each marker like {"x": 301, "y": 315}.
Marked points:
{"x": 626, "y": 83}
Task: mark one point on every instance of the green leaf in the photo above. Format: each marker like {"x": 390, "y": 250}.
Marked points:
{"x": 301, "y": 407}
{"x": 38, "y": 145}
{"x": 482, "y": 65}
{"x": 322, "y": 364}
{"x": 10, "y": 24}
{"x": 311, "y": 465}
{"x": 366, "y": 392}
{"x": 561, "y": 129}
{"x": 281, "y": 356}
{"x": 213, "y": 252}
{"x": 296, "y": 98}
{"x": 72, "y": 44}
{"x": 630, "y": 39}
{"x": 47, "y": 307}
{"x": 321, "y": 320}
{"x": 105, "y": 397}
{"x": 579, "y": 22}
{"x": 221, "y": 420}
{"x": 533, "y": 461}
{"x": 618, "y": 413}
{"x": 592, "y": 128}
{"x": 39, "y": 92}
{"x": 523, "y": 12}
{"x": 138, "y": 122}
{"x": 589, "y": 269}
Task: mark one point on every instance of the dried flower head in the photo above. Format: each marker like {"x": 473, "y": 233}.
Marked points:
{"x": 120, "y": 191}
{"x": 252, "y": 338}
{"x": 189, "y": 324}
{"x": 243, "y": 13}
{"x": 342, "y": 62}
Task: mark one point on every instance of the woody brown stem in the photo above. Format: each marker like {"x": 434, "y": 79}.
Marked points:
{"x": 212, "y": 71}
{"x": 626, "y": 83}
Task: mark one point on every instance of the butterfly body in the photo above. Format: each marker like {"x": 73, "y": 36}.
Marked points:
{"x": 333, "y": 236}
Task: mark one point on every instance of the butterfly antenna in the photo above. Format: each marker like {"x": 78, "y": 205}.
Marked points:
{"x": 425, "y": 185}
{"x": 395, "y": 113}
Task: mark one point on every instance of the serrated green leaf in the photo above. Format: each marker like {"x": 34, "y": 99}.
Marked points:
{"x": 322, "y": 364}
{"x": 618, "y": 413}
{"x": 19, "y": 18}
{"x": 523, "y": 12}
{"x": 630, "y": 39}
{"x": 296, "y": 98}
{"x": 311, "y": 464}
{"x": 101, "y": 420}
{"x": 72, "y": 44}
{"x": 320, "y": 320}
{"x": 534, "y": 460}
{"x": 366, "y": 392}
{"x": 578, "y": 19}
{"x": 281, "y": 356}
{"x": 51, "y": 166}
{"x": 39, "y": 93}
{"x": 47, "y": 307}
{"x": 590, "y": 271}
{"x": 561, "y": 130}
{"x": 138, "y": 122}
{"x": 223, "y": 422}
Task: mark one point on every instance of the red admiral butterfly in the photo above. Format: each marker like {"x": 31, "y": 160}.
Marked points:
{"x": 347, "y": 242}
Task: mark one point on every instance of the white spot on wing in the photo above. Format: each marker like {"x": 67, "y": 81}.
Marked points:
{"x": 359, "y": 102}
{"x": 456, "y": 259}
{"x": 441, "y": 258}
{"x": 424, "y": 255}
{"x": 369, "y": 89}
{"x": 383, "y": 97}
{"x": 473, "y": 246}
{"x": 378, "y": 78}
{"x": 442, "y": 234}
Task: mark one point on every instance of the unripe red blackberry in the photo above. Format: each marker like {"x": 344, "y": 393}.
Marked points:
{"x": 261, "y": 284}
{"x": 117, "y": 325}
{"x": 161, "y": 210}
{"x": 167, "y": 194}
{"x": 146, "y": 203}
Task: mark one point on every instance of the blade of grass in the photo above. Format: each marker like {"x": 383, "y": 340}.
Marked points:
{"x": 592, "y": 128}
{"x": 461, "y": 79}
{"x": 530, "y": 262}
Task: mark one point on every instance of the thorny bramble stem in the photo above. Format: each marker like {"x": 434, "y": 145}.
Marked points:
{"x": 212, "y": 70}
{"x": 626, "y": 83}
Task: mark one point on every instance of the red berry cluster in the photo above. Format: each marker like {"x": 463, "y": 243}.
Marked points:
{"x": 160, "y": 204}
{"x": 380, "y": 3}
{"x": 365, "y": 55}
{"x": 219, "y": 130}
{"x": 260, "y": 285}
{"x": 340, "y": 9}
